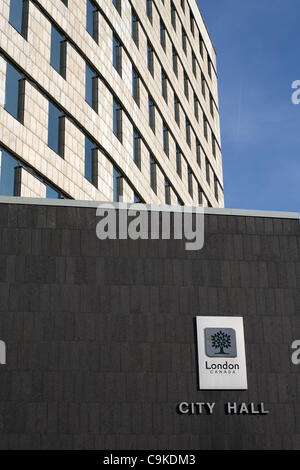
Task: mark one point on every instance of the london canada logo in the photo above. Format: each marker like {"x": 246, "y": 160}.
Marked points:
{"x": 220, "y": 342}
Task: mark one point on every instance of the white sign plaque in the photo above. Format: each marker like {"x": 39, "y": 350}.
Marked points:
{"x": 221, "y": 353}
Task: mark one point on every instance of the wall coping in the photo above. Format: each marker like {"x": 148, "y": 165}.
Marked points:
{"x": 163, "y": 208}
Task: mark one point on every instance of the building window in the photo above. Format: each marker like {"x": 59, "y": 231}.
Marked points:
{"x": 117, "y": 119}
{"x": 213, "y": 145}
{"x": 52, "y": 193}
{"x": 165, "y": 138}
{"x": 91, "y": 87}
{"x": 196, "y": 106}
{"x": 203, "y": 85}
{"x": 136, "y": 148}
{"x": 183, "y": 36}
{"x": 198, "y": 152}
{"x": 92, "y": 19}
{"x": 167, "y": 192}
{"x": 205, "y": 126}
{"x": 186, "y": 84}
{"x": 150, "y": 62}
{"x": 14, "y": 92}
{"x": 135, "y": 27}
{"x": 182, "y": 2}
{"x": 153, "y": 173}
{"x": 188, "y": 131}
{"x": 173, "y": 15}
{"x": 56, "y": 129}
{"x": 164, "y": 85}
{"x": 190, "y": 181}
{"x": 118, "y": 5}
{"x": 65, "y": 2}
{"x": 136, "y": 198}
{"x": 151, "y": 114}
{"x": 162, "y": 35}
{"x": 216, "y": 188}
{"x": 175, "y": 61}
{"x": 201, "y": 44}
{"x": 58, "y": 51}
{"x": 117, "y": 54}
{"x": 90, "y": 161}
{"x": 178, "y": 161}
{"x": 18, "y": 16}
{"x": 200, "y": 195}
{"x": 211, "y": 104}
{"x": 207, "y": 167}
{"x": 209, "y": 67}
{"x": 176, "y": 109}
{"x": 9, "y": 184}
{"x": 194, "y": 64}
{"x": 117, "y": 190}
{"x": 192, "y": 23}
{"x": 7, "y": 173}
{"x": 149, "y": 10}
{"x": 135, "y": 86}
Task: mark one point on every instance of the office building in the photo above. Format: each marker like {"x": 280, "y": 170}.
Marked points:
{"x": 109, "y": 99}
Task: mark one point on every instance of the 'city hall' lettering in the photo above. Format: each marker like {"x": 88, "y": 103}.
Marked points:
{"x": 197, "y": 408}
{"x": 245, "y": 409}
{"x": 233, "y": 408}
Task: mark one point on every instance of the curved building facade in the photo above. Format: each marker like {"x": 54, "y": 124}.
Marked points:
{"x": 109, "y": 99}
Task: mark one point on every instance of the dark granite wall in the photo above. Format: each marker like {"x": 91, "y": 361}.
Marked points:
{"x": 101, "y": 336}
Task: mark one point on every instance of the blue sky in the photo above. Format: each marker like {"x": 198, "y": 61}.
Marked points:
{"x": 258, "y": 53}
